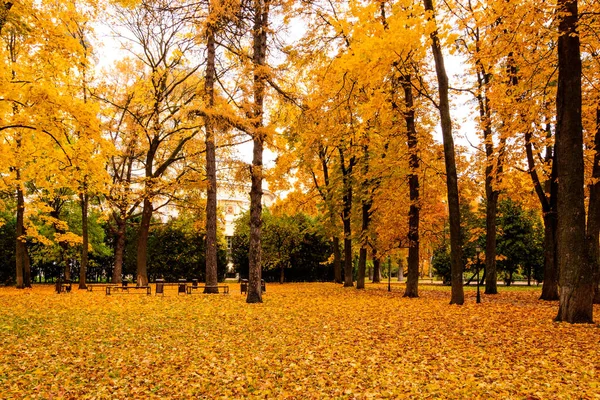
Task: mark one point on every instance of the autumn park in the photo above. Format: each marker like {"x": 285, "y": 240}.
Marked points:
{"x": 294, "y": 199}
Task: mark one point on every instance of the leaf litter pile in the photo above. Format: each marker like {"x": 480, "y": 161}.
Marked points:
{"x": 305, "y": 341}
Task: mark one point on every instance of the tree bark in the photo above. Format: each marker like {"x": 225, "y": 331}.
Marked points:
{"x": 576, "y": 286}
{"x": 261, "y": 23}
{"x": 211, "y": 169}
{"x": 346, "y": 215}
{"x": 491, "y": 194}
{"x": 376, "y": 267}
{"x": 593, "y": 219}
{"x": 548, "y": 202}
{"x": 337, "y": 260}
{"x": 84, "y": 202}
{"x": 119, "y": 249}
{"x": 400, "y": 270}
{"x": 27, "y": 270}
{"x": 142, "y": 245}
{"x": 458, "y": 296}
{"x": 362, "y": 253}
{"x": 326, "y": 195}
{"x": 412, "y": 281}
{"x": 20, "y": 230}
{"x": 550, "y": 285}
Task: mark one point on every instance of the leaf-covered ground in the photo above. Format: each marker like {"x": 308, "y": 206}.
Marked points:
{"x": 305, "y": 341}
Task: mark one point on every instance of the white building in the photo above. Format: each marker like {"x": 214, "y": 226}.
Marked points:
{"x": 233, "y": 201}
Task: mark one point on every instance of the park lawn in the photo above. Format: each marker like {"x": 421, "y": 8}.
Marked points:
{"x": 305, "y": 341}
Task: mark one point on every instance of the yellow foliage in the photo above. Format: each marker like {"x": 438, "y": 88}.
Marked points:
{"x": 306, "y": 341}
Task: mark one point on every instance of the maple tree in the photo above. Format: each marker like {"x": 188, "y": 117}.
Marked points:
{"x": 163, "y": 93}
{"x": 576, "y": 269}
{"x": 451, "y": 177}
{"x": 46, "y": 109}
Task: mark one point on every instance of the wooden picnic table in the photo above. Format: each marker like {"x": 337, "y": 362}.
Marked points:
{"x": 191, "y": 288}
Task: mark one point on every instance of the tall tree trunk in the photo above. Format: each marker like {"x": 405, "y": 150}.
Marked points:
{"x": 400, "y": 270}
{"x": 119, "y": 249}
{"x": 362, "y": 257}
{"x": 491, "y": 210}
{"x": 211, "y": 169}
{"x": 458, "y": 296}
{"x": 548, "y": 202}
{"x": 20, "y": 249}
{"x": 65, "y": 256}
{"x": 376, "y": 267}
{"x": 326, "y": 194}
{"x": 261, "y": 23}
{"x": 346, "y": 215}
{"x": 337, "y": 260}
{"x": 142, "y": 245}
{"x": 346, "y": 209}
{"x": 84, "y": 202}
{"x": 593, "y": 219}
{"x": 550, "y": 285}
{"x": 412, "y": 282}
{"x": 27, "y": 270}
{"x": 491, "y": 194}
{"x": 576, "y": 286}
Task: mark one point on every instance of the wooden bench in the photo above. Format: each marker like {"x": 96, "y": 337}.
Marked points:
{"x": 90, "y": 287}
{"x": 128, "y": 289}
{"x": 191, "y": 288}
{"x": 160, "y": 286}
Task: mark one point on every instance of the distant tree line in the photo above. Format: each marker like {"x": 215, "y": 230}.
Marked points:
{"x": 176, "y": 249}
{"x": 519, "y": 247}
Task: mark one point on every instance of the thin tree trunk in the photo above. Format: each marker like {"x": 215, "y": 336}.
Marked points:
{"x": 84, "y": 202}
{"x": 326, "y": 194}
{"x": 142, "y": 245}
{"x": 119, "y": 249}
{"x": 493, "y": 171}
{"x": 282, "y": 273}
{"x": 362, "y": 253}
{"x": 337, "y": 260}
{"x": 261, "y": 23}
{"x": 346, "y": 215}
{"x": 491, "y": 210}
{"x": 491, "y": 194}
{"x": 376, "y": 267}
{"x": 400, "y": 270}
{"x": 348, "y": 267}
{"x": 550, "y": 285}
{"x": 67, "y": 260}
{"x": 20, "y": 245}
{"x": 458, "y": 296}
{"x": 412, "y": 282}
{"x": 27, "y": 270}
{"x": 211, "y": 170}
{"x": 593, "y": 220}
{"x": 576, "y": 281}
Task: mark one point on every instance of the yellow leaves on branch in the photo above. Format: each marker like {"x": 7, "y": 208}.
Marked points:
{"x": 306, "y": 341}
